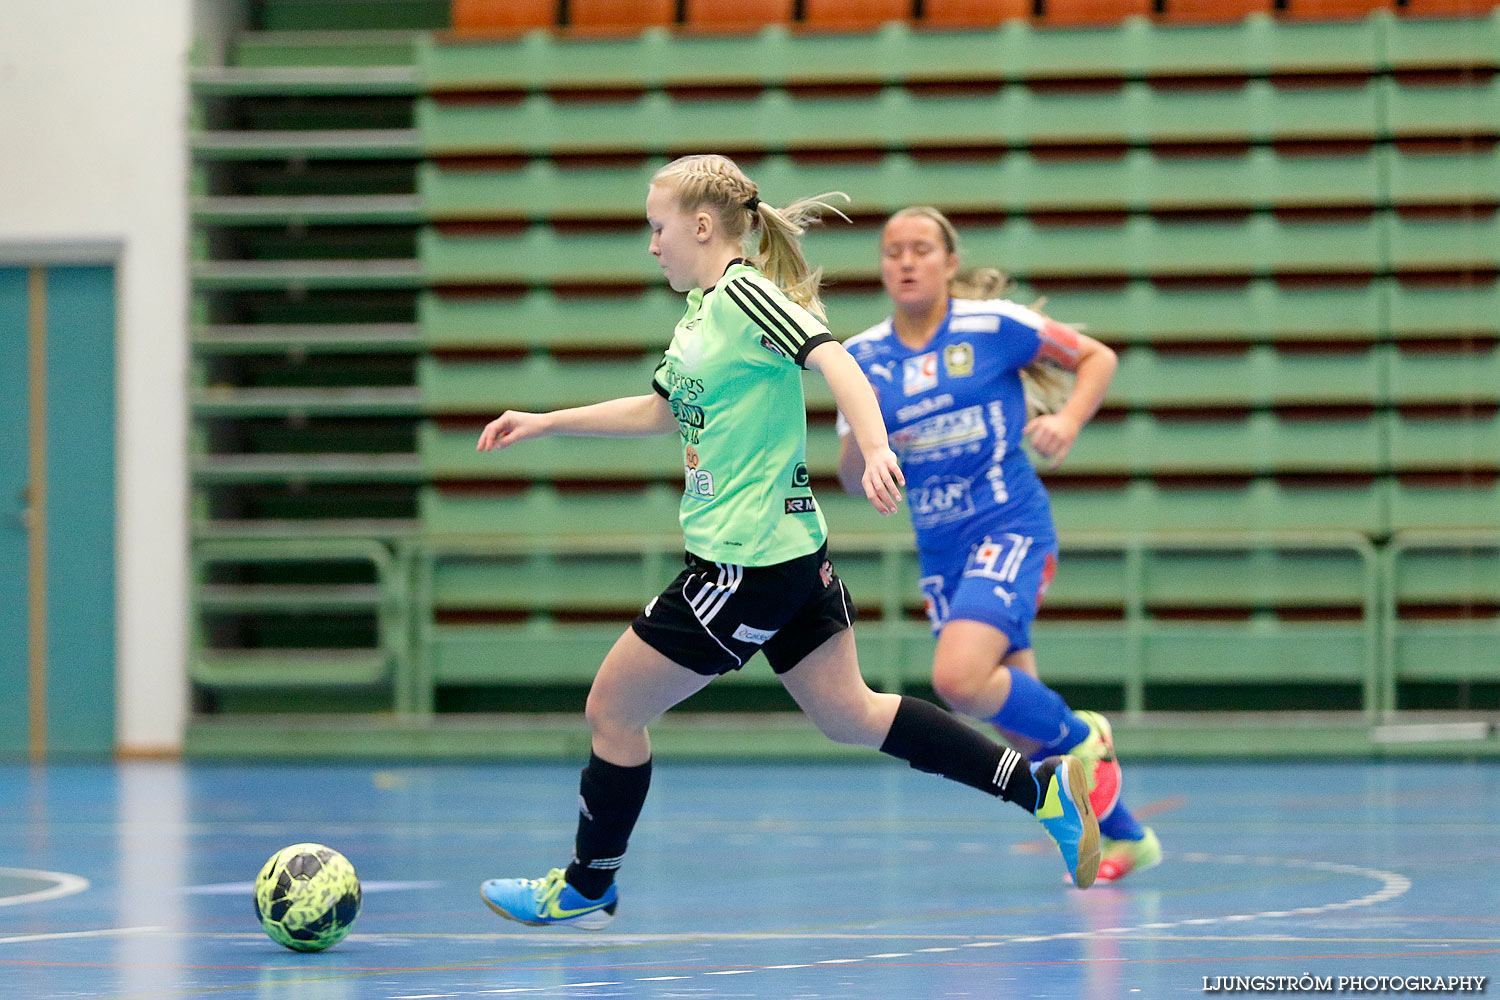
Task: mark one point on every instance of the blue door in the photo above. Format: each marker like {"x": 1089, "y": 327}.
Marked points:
{"x": 57, "y": 472}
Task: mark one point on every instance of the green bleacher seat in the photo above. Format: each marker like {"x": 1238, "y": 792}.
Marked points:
{"x": 1444, "y": 43}
{"x": 281, "y": 338}
{"x": 894, "y": 118}
{"x": 450, "y": 454}
{"x": 1257, "y": 443}
{"x": 542, "y": 318}
{"x": 1466, "y": 175}
{"x": 1465, "y": 372}
{"x": 1255, "y": 311}
{"x": 304, "y": 81}
{"x": 1467, "y": 304}
{"x": 276, "y": 584}
{"x": 1262, "y": 375}
{"x": 1447, "y": 571}
{"x": 1246, "y": 506}
{"x": 1264, "y": 650}
{"x": 326, "y": 144}
{"x": 226, "y": 401}
{"x": 1015, "y": 50}
{"x": 321, "y": 49}
{"x": 539, "y": 582}
{"x": 1261, "y": 577}
{"x": 534, "y": 382}
{"x": 543, "y": 510}
{"x": 307, "y": 210}
{"x": 1138, "y": 247}
{"x": 283, "y": 469}
{"x": 1470, "y": 242}
{"x": 1137, "y": 180}
{"x": 1442, "y": 591}
{"x": 280, "y": 275}
{"x": 1434, "y": 109}
{"x": 1453, "y": 499}
{"x": 1446, "y": 441}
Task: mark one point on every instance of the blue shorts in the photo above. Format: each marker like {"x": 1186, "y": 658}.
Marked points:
{"x": 1001, "y": 584}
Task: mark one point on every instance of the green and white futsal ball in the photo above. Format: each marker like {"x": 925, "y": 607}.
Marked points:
{"x": 307, "y": 896}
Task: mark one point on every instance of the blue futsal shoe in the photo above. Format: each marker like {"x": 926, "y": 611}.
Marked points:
{"x": 1063, "y": 807}
{"x": 548, "y": 901}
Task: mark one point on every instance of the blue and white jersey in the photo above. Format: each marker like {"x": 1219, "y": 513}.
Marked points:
{"x": 955, "y": 412}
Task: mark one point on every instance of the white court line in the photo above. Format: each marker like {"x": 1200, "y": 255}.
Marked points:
{"x": 1393, "y": 884}
{"x": 105, "y": 932}
{"x": 64, "y": 885}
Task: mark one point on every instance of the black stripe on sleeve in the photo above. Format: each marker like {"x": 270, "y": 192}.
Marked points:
{"x": 778, "y": 333}
{"x": 804, "y": 341}
{"x": 661, "y": 390}
{"x": 810, "y": 343}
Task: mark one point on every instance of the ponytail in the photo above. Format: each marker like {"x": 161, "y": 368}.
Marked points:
{"x": 717, "y": 183}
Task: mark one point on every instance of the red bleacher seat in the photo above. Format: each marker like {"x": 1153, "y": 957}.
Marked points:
{"x": 1331, "y": 10}
{"x": 485, "y": 16}
{"x": 619, "y": 16}
{"x": 1212, "y": 11}
{"x": 853, "y": 15}
{"x": 1089, "y": 12}
{"x": 736, "y": 15}
{"x": 971, "y": 13}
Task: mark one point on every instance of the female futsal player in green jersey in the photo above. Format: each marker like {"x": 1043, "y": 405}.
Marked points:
{"x": 757, "y": 574}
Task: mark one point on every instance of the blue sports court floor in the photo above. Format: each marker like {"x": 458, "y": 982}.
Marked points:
{"x": 865, "y": 882}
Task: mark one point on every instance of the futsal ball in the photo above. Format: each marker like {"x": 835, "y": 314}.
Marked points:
{"x": 307, "y": 896}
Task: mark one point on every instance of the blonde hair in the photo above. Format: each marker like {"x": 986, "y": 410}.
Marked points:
{"x": 1047, "y": 386}
{"x": 717, "y": 183}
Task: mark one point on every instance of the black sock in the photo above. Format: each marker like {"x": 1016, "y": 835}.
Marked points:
{"x": 932, "y": 740}
{"x": 609, "y": 802}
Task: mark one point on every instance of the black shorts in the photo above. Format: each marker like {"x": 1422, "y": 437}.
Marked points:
{"x": 714, "y": 616}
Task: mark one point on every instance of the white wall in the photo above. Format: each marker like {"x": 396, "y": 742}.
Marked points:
{"x": 93, "y": 112}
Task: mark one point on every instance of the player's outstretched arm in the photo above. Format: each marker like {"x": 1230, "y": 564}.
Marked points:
{"x": 629, "y": 416}
{"x": 882, "y": 477}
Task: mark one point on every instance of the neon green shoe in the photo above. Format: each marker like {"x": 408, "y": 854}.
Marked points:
{"x": 1098, "y": 756}
{"x": 1121, "y": 857}
{"x": 1067, "y": 816}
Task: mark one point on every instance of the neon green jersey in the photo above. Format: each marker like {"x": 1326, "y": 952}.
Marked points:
{"x": 733, "y": 375}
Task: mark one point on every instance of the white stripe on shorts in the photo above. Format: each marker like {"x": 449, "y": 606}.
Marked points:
{"x": 734, "y": 575}
{"x": 1013, "y": 561}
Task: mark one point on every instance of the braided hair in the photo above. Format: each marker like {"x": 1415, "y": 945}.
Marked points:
{"x": 714, "y": 182}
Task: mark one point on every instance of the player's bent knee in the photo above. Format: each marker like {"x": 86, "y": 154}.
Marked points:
{"x": 605, "y": 719}
{"x": 960, "y": 689}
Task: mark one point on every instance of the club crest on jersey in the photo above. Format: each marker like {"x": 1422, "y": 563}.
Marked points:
{"x": 958, "y": 360}
{"x": 765, "y": 342}
{"x": 919, "y": 374}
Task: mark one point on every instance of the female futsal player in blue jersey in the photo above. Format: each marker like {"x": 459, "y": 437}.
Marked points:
{"x": 757, "y": 577}
{"x": 962, "y": 376}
